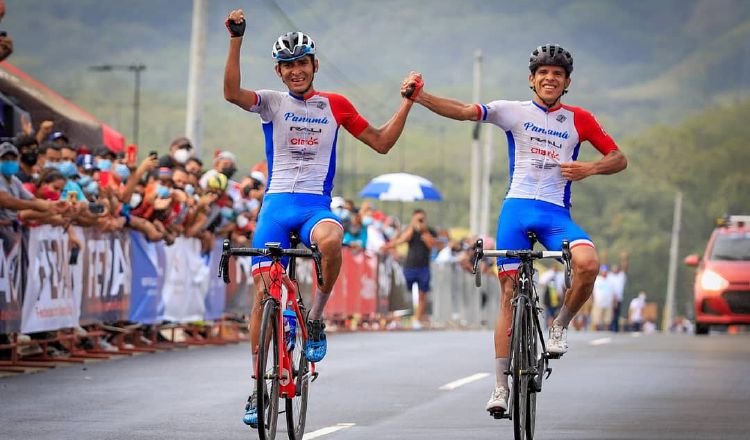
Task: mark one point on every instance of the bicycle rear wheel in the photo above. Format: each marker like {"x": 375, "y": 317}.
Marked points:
{"x": 296, "y": 407}
{"x": 519, "y": 368}
{"x": 267, "y": 379}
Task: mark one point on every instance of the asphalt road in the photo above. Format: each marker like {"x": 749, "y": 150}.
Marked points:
{"x": 388, "y": 386}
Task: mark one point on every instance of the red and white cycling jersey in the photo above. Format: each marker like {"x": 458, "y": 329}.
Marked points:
{"x": 539, "y": 141}
{"x": 301, "y": 138}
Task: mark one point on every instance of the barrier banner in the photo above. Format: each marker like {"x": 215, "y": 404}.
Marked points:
{"x": 216, "y": 296}
{"x": 11, "y": 289}
{"x": 49, "y": 302}
{"x": 105, "y": 274}
{"x": 185, "y": 281}
{"x": 148, "y": 262}
{"x": 356, "y": 289}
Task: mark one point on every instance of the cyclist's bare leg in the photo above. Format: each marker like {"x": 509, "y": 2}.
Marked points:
{"x": 502, "y": 330}
{"x": 504, "y": 318}
{"x": 585, "y": 262}
{"x": 328, "y": 236}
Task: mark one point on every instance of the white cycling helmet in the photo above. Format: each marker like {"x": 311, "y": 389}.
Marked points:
{"x": 292, "y": 46}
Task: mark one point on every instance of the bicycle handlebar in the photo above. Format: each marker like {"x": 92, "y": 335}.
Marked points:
{"x": 273, "y": 251}
{"x": 523, "y": 254}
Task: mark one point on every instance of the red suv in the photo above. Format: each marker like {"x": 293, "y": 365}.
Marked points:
{"x": 722, "y": 281}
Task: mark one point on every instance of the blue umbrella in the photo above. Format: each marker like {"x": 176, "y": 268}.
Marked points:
{"x": 400, "y": 187}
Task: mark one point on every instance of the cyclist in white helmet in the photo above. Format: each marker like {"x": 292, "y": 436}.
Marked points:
{"x": 544, "y": 137}
{"x": 300, "y": 127}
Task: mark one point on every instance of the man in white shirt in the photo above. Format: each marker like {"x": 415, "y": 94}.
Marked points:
{"x": 635, "y": 311}
{"x": 618, "y": 278}
{"x": 604, "y": 300}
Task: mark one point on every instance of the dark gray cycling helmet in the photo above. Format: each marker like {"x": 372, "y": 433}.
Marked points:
{"x": 551, "y": 55}
{"x": 292, "y": 46}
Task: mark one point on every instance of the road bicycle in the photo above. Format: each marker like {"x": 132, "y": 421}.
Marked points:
{"x": 528, "y": 360}
{"x": 281, "y": 372}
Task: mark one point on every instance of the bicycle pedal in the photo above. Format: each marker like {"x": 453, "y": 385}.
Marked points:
{"x": 500, "y": 414}
{"x": 549, "y": 372}
{"x": 549, "y": 355}
{"x": 314, "y": 376}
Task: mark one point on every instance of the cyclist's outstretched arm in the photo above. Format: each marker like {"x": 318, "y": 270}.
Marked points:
{"x": 233, "y": 93}
{"x": 383, "y": 138}
{"x": 443, "y": 106}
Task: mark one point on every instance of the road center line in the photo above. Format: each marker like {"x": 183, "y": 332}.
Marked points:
{"x": 461, "y": 382}
{"x": 327, "y": 430}
{"x": 600, "y": 341}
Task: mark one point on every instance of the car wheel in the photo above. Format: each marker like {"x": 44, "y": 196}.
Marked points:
{"x": 701, "y": 329}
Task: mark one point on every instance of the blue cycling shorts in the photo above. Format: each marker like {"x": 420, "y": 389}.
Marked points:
{"x": 551, "y": 224}
{"x": 284, "y": 213}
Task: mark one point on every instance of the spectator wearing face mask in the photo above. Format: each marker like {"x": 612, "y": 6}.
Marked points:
{"x": 14, "y": 197}
{"x": 180, "y": 151}
{"x": 49, "y": 155}
{"x": 28, "y": 147}
{"x": 224, "y": 163}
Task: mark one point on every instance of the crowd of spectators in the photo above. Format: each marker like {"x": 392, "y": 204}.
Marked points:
{"x": 47, "y": 179}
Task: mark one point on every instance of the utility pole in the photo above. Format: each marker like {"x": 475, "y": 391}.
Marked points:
{"x": 476, "y": 152}
{"x": 194, "y": 113}
{"x": 673, "y": 249}
{"x": 136, "y": 69}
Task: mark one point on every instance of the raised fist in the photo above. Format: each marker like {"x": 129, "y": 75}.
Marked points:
{"x": 235, "y": 23}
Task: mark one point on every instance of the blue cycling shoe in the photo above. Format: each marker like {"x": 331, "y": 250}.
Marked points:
{"x": 315, "y": 348}
{"x": 251, "y": 411}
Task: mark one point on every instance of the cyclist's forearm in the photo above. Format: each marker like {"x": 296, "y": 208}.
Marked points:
{"x": 232, "y": 71}
{"x": 612, "y": 163}
{"x": 387, "y": 135}
{"x": 448, "y": 108}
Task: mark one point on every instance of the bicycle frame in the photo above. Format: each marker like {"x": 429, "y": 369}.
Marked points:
{"x": 285, "y": 300}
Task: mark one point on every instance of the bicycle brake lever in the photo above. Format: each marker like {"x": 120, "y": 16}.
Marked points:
{"x": 478, "y": 254}
{"x": 567, "y": 258}
{"x": 316, "y": 260}
{"x": 224, "y": 262}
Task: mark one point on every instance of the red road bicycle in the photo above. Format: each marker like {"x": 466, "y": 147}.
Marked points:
{"x": 282, "y": 371}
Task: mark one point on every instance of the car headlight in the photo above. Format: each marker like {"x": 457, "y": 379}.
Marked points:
{"x": 711, "y": 280}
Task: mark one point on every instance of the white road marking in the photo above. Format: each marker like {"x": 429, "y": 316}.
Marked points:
{"x": 327, "y": 430}
{"x": 461, "y": 382}
{"x": 600, "y": 341}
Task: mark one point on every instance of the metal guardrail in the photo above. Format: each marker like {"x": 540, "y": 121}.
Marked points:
{"x": 457, "y": 302}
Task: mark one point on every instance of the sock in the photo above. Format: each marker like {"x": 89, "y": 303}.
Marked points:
{"x": 501, "y": 380}
{"x": 319, "y": 303}
{"x": 564, "y": 317}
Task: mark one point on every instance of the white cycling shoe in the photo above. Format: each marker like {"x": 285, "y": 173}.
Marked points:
{"x": 557, "y": 344}
{"x": 498, "y": 400}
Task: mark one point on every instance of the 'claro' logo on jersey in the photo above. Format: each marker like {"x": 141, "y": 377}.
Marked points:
{"x": 289, "y": 116}
{"x": 303, "y": 141}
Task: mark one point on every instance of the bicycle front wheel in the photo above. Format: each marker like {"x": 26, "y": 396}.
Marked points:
{"x": 519, "y": 369}
{"x": 267, "y": 379}
{"x": 296, "y": 407}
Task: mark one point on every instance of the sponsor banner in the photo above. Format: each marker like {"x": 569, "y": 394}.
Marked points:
{"x": 11, "y": 289}
{"x": 185, "y": 281}
{"x": 49, "y": 302}
{"x": 148, "y": 262}
{"x": 216, "y": 297}
{"x": 356, "y": 289}
{"x": 105, "y": 276}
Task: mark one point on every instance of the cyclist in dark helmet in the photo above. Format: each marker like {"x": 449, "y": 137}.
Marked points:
{"x": 544, "y": 138}
{"x": 300, "y": 127}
